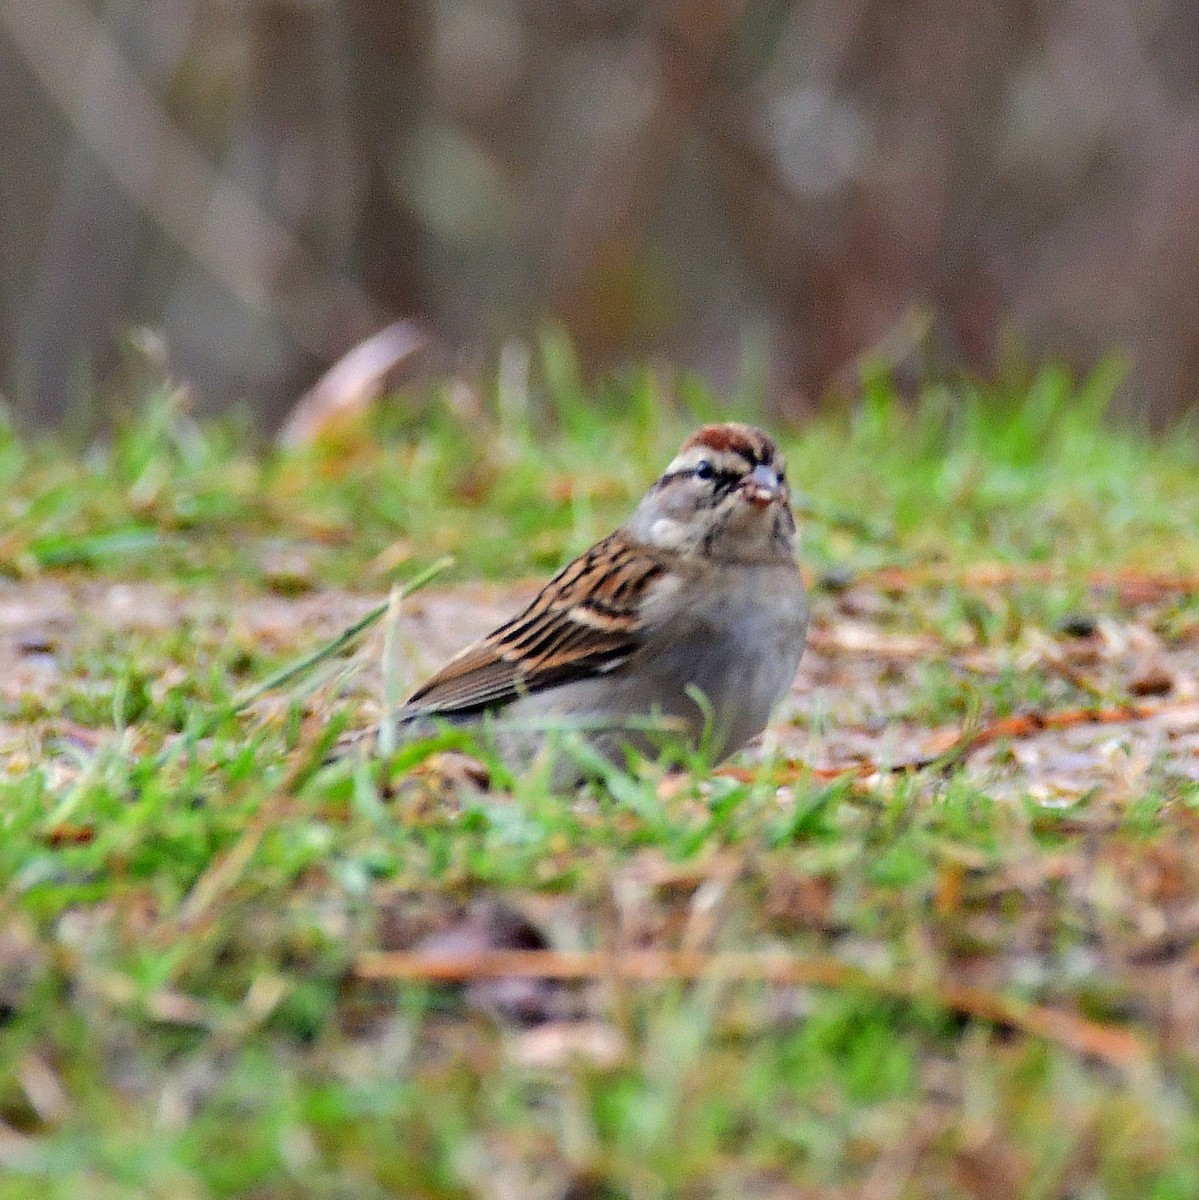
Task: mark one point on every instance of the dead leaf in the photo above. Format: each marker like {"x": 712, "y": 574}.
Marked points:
{"x": 348, "y": 388}
{"x": 556, "y": 1045}
{"x": 1152, "y": 678}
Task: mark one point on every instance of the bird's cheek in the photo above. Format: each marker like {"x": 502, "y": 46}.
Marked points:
{"x": 667, "y": 533}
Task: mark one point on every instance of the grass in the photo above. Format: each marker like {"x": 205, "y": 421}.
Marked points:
{"x": 188, "y": 883}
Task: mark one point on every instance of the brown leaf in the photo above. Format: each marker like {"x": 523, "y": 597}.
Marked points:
{"x": 556, "y": 1045}
{"x": 991, "y": 1169}
{"x": 348, "y": 388}
{"x": 1152, "y": 678}
{"x": 67, "y": 834}
{"x": 950, "y": 879}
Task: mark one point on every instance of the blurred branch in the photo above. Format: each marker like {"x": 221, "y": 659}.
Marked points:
{"x": 1111, "y": 1044}
{"x": 81, "y": 67}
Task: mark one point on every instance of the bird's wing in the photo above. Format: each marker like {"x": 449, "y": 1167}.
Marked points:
{"x": 586, "y": 621}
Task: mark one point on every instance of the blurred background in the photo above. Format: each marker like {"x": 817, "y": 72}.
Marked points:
{"x": 781, "y": 187}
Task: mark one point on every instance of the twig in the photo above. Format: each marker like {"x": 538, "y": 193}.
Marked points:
{"x": 956, "y": 744}
{"x": 792, "y": 772}
{"x": 1116, "y": 1046}
{"x": 1029, "y": 724}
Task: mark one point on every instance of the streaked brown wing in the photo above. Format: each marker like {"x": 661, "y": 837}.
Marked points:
{"x": 584, "y": 622}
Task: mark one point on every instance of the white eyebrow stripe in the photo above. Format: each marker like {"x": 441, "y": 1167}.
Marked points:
{"x": 722, "y": 460}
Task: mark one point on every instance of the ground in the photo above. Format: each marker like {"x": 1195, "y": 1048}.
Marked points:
{"x": 934, "y": 936}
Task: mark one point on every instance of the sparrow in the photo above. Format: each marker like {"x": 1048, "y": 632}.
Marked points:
{"x": 691, "y": 615}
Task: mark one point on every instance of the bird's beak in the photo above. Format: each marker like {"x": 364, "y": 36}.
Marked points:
{"x": 761, "y": 486}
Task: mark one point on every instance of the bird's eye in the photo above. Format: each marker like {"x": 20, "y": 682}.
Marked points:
{"x": 704, "y": 469}
{"x": 782, "y": 476}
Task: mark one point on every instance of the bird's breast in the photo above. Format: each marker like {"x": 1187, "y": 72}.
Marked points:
{"x": 739, "y": 643}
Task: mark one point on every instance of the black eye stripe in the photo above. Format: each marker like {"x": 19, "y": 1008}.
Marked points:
{"x": 693, "y": 473}
{"x": 722, "y": 478}
{"x": 671, "y": 476}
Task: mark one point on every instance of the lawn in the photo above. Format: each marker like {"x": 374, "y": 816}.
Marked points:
{"x": 937, "y": 936}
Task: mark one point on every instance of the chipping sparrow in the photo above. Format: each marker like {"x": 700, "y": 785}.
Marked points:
{"x": 698, "y": 592}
